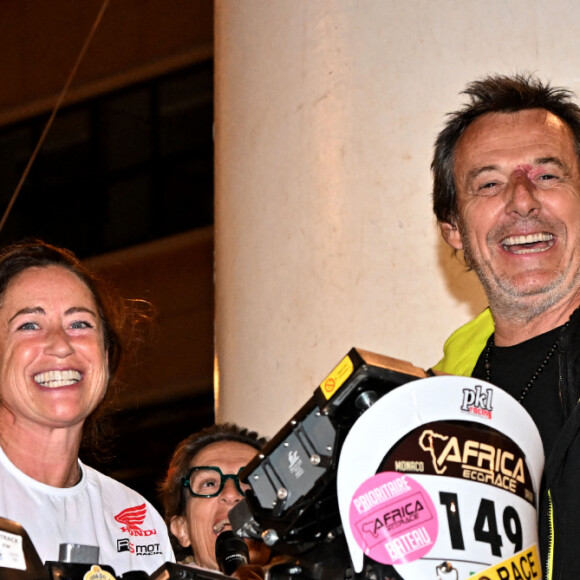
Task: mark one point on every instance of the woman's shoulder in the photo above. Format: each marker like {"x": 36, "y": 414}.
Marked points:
{"x": 115, "y": 493}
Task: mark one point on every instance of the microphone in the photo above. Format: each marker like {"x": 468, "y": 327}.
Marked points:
{"x": 231, "y": 552}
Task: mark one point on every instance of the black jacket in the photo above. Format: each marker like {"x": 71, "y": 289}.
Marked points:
{"x": 559, "y": 517}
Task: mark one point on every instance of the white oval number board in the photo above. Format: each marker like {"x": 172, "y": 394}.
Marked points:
{"x": 440, "y": 479}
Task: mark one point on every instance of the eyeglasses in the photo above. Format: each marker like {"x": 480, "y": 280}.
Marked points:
{"x": 209, "y": 481}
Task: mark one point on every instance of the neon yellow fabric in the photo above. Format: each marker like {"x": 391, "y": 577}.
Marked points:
{"x": 462, "y": 349}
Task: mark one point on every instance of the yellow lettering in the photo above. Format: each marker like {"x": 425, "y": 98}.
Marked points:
{"x": 510, "y": 456}
{"x": 486, "y": 453}
{"x": 518, "y": 472}
{"x": 470, "y": 450}
{"x": 450, "y": 452}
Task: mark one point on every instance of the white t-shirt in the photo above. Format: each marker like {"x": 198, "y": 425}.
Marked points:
{"x": 98, "y": 511}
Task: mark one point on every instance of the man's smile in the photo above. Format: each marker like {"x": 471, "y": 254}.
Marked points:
{"x": 528, "y": 244}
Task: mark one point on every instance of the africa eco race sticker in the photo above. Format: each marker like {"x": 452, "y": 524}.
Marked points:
{"x": 523, "y": 565}
{"x": 463, "y": 450}
{"x": 336, "y": 378}
{"x": 11, "y": 552}
{"x": 96, "y": 573}
{"x": 393, "y": 519}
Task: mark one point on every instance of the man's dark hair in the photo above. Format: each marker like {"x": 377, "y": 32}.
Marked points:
{"x": 493, "y": 94}
{"x": 171, "y": 491}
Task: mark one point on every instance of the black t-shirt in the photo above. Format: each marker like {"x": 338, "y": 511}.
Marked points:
{"x": 512, "y": 367}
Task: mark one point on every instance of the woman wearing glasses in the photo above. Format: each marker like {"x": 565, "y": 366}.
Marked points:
{"x": 202, "y": 486}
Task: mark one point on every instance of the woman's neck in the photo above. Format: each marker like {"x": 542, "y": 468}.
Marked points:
{"x": 48, "y": 455}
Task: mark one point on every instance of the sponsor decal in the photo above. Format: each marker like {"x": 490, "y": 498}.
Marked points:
{"x": 125, "y": 545}
{"x": 11, "y": 551}
{"x": 295, "y": 464}
{"x": 131, "y": 520}
{"x": 410, "y": 466}
{"x": 477, "y": 401}
{"x": 465, "y": 452}
{"x": 393, "y": 519}
{"x": 97, "y": 573}
{"x": 523, "y": 565}
{"x": 336, "y": 378}
{"x": 147, "y": 549}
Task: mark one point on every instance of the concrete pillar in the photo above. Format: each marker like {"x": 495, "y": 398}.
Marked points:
{"x": 326, "y": 113}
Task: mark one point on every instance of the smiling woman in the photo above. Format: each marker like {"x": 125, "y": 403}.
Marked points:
{"x": 59, "y": 349}
{"x": 53, "y": 364}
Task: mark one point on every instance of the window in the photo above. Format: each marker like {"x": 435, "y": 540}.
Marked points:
{"x": 122, "y": 169}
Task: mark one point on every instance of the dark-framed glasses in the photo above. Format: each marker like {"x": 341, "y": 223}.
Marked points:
{"x": 209, "y": 481}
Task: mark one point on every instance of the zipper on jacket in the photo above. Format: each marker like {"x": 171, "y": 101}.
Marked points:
{"x": 550, "y": 555}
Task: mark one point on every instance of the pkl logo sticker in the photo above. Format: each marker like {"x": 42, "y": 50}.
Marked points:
{"x": 478, "y": 401}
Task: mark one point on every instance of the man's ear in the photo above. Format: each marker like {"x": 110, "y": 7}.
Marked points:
{"x": 180, "y": 529}
{"x": 451, "y": 234}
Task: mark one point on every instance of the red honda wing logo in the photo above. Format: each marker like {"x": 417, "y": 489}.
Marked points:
{"x": 132, "y": 518}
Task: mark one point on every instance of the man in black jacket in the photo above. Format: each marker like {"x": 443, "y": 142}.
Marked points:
{"x": 507, "y": 193}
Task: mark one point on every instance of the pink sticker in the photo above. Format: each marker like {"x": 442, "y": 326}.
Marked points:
{"x": 393, "y": 518}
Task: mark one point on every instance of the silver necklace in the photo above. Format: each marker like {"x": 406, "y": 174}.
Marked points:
{"x": 537, "y": 372}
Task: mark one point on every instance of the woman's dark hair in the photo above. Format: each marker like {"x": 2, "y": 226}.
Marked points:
{"x": 172, "y": 493}
{"x": 493, "y": 94}
{"x": 113, "y": 312}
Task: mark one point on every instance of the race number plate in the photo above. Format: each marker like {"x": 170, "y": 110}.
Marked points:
{"x": 439, "y": 478}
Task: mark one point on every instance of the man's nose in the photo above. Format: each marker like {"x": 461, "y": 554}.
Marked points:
{"x": 522, "y": 195}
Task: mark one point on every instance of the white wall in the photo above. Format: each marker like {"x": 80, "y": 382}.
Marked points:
{"x": 326, "y": 112}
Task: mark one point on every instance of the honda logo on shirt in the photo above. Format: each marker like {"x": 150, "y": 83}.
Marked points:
{"x": 131, "y": 520}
